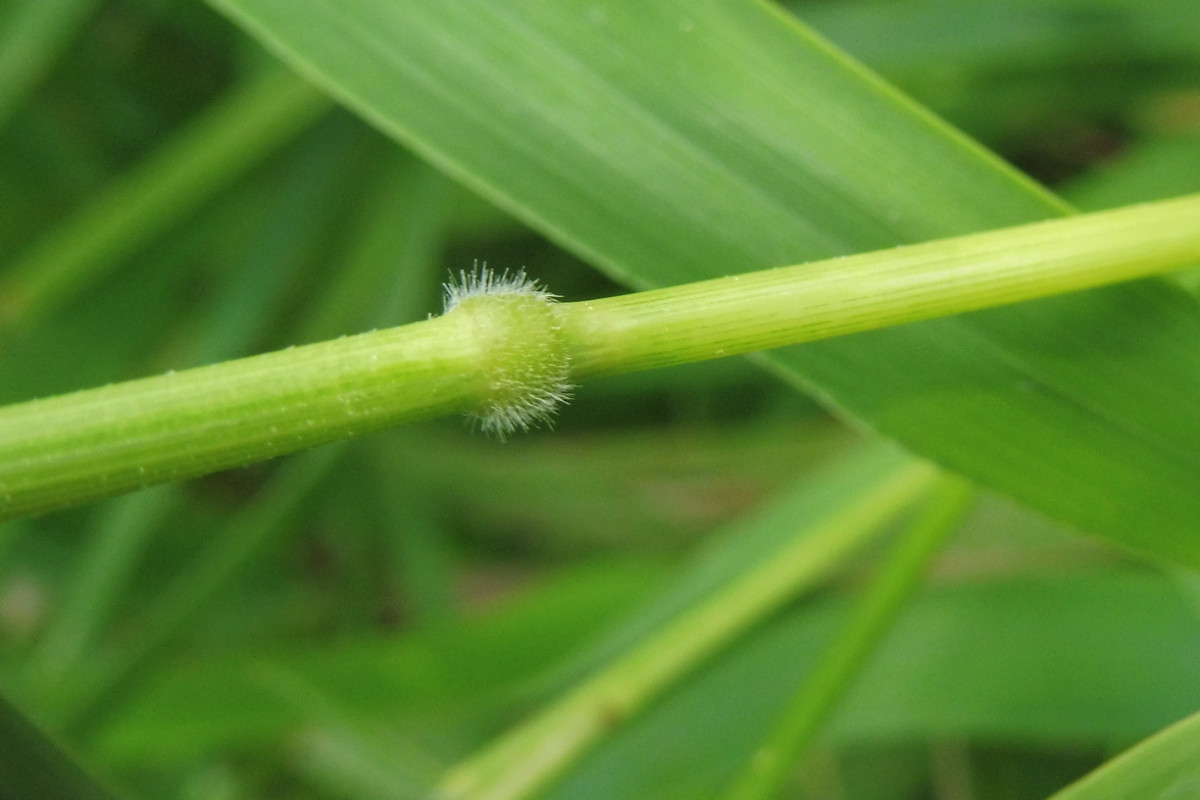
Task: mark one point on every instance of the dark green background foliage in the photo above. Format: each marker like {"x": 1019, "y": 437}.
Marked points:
{"x": 352, "y": 621}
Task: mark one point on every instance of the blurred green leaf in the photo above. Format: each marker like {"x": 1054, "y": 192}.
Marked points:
{"x": 645, "y": 489}
{"x": 1148, "y": 171}
{"x": 33, "y": 34}
{"x": 32, "y": 767}
{"x": 805, "y": 713}
{"x": 1055, "y": 83}
{"x": 257, "y": 285}
{"x": 238, "y": 131}
{"x": 441, "y": 674}
{"x": 1075, "y": 662}
{"x": 787, "y": 547}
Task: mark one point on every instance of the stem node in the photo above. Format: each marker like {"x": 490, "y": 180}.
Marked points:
{"x": 523, "y": 358}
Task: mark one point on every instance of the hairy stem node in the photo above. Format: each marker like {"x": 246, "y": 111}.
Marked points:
{"x": 523, "y": 359}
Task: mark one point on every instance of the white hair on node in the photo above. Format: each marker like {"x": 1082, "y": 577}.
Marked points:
{"x": 482, "y": 281}
{"x": 527, "y": 366}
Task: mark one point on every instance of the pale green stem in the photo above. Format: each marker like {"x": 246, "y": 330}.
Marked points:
{"x": 525, "y": 759}
{"x": 490, "y": 353}
{"x": 125, "y": 528}
{"x": 769, "y": 767}
{"x": 237, "y": 412}
{"x": 772, "y": 308}
{"x": 400, "y": 231}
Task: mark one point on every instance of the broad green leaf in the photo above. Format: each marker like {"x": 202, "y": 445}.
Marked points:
{"x": 668, "y": 141}
{"x": 1164, "y": 767}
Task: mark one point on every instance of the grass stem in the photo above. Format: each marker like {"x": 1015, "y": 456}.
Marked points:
{"x": 507, "y": 356}
{"x": 776, "y": 307}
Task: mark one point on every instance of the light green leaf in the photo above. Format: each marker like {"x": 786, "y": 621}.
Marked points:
{"x": 669, "y": 141}
{"x": 1164, "y": 767}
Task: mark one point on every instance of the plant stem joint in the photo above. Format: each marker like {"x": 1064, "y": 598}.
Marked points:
{"x": 524, "y": 362}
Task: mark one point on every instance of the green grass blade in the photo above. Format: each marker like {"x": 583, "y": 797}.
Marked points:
{"x": 33, "y": 34}
{"x": 388, "y": 276}
{"x": 106, "y": 687}
{"x": 483, "y": 663}
{"x": 672, "y": 141}
{"x": 1028, "y": 659}
{"x": 34, "y": 768}
{"x": 235, "y": 133}
{"x": 1164, "y": 767}
{"x": 769, "y": 767}
{"x": 119, "y": 538}
{"x": 843, "y": 509}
